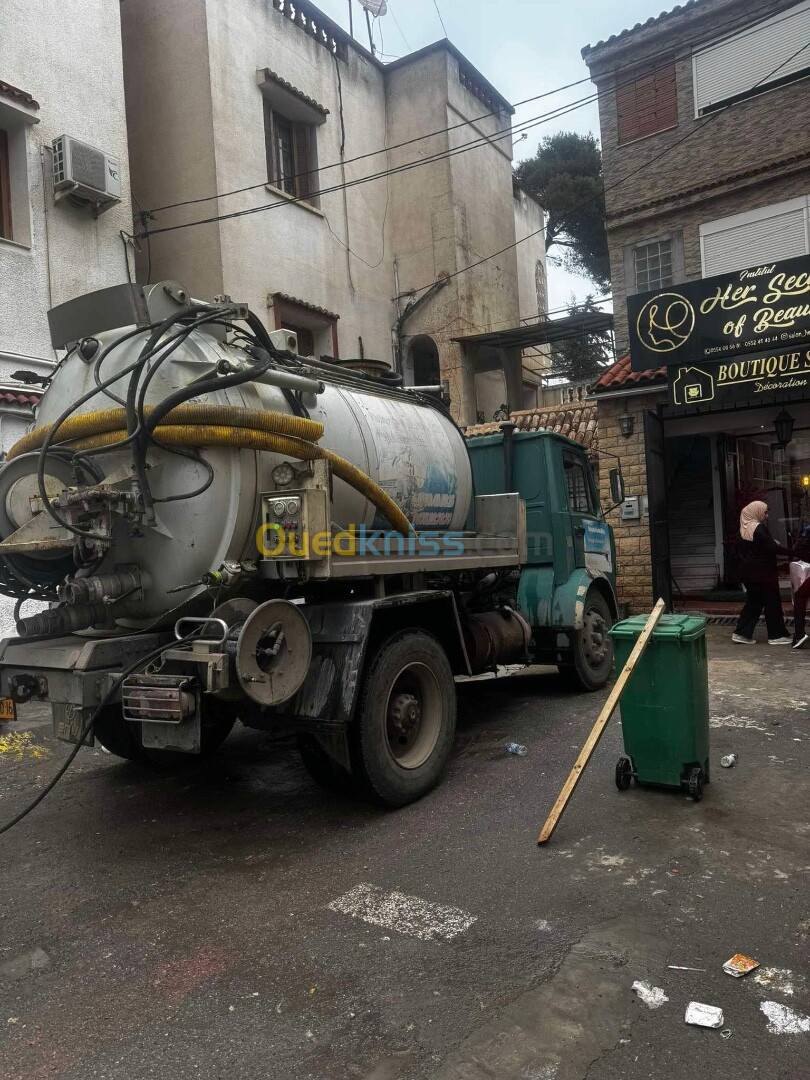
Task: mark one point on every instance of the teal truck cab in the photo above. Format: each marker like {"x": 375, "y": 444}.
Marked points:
{"x": 567, "y": 585}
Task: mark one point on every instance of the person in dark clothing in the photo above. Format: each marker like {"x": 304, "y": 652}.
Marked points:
{"x": 801, "y": 554}
{"x": 758, "y": 555}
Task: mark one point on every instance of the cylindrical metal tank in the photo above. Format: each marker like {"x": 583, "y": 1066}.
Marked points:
{"x": 411, "y": 450}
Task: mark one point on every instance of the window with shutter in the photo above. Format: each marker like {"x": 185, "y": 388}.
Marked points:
{"x": 646, "y": 104}
{"x": 753, "y": 61}
{"x": 770, "y": 233}
{"x": 291, "y": 158}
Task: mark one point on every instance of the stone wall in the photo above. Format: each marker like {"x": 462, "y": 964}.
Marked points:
{"x": 750, "y": 155}
{"x": 684, "y": 218}
{"x": 634, "y": 570}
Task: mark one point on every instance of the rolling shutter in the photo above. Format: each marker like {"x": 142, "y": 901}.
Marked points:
{"x": 735, "y": 66}
{"x": 775, "y": 232}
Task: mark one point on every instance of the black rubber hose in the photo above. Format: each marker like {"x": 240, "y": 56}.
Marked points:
{"x": 89, "y": 727}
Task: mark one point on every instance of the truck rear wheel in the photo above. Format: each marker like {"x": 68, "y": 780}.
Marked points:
{"x": 591, "y": 661}
{"x": 406, "y": 722}
{"x": 123, "y": 739}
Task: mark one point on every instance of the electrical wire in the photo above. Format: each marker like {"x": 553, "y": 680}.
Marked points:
{"x": 623, "y": 180}
{"x": 88, "y": 727}
{"x": 401, "y": 31}
{"x": 639, "y": 70}
{"x": 441, "y": 20}
{"x": 474, "y": 144}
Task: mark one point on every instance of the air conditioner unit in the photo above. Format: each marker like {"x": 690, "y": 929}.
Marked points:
{"x": 85, "y": 173}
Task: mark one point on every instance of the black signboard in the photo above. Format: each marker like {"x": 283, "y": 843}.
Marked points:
{"x": 750, "y": 311}
{"x": 739, "y": 378}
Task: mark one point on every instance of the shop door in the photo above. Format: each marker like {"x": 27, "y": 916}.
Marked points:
{"x": 657, "y": 496}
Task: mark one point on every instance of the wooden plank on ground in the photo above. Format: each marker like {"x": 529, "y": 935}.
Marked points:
{"x": 600, "y": 725}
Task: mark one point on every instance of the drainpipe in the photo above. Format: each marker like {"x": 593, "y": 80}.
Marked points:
{"x": 410, "y": 308}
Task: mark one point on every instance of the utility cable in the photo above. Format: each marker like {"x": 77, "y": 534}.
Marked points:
{"x": 477, "y": 143}
{"x": 732, "y": 26}
{"x": 610, "y": 187}
{"x": 89, "y": 727}
{"x": 441, "y": 20}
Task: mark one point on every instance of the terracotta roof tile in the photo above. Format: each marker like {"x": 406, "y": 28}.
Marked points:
{"x": 620, "y": 374}
{"x": 575, "y": 421}
{"x": 16, "y": 94}
{"x": 26, "y": 398}
{"x": 298, "y": 302}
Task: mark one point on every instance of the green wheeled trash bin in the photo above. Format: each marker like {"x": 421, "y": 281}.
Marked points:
{"x": 665, "y": 705}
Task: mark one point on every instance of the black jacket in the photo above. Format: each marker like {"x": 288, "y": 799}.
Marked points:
{"x": 759, "y": 557}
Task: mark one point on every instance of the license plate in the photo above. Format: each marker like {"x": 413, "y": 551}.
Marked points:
{"x": 8, "y": 710}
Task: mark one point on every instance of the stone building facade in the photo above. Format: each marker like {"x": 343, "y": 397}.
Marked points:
{"x": 705, "y": 125}
{"x": 269, "y": 103}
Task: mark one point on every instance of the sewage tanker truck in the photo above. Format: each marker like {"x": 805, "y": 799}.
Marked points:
{"x": 225, "y": 531}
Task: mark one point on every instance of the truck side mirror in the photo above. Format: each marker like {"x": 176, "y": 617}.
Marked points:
{"x": 616, "y": 487}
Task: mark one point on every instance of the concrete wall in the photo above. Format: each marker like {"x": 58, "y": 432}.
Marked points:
{"x": 193, "y": 97}
{"x": 71, "y": 65}
{"x": 298, "y": 249}
{"x": 702, "y": 178}
{"x": 447, "y": 215}
{"x": 531, "y": 255}
{"x": 169, "y": 114}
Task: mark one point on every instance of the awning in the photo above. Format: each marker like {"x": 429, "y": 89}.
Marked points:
{"x": 543, "y": 333}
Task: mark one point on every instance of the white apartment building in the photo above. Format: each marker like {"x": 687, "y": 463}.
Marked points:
{"x": 247, "y": 104}
{"x": 60, "y": 75}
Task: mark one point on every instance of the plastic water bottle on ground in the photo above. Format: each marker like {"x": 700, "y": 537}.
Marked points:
{"x": 516, "y": 748}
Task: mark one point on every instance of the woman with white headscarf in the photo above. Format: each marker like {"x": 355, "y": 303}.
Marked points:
{"x": 758, "y": 555}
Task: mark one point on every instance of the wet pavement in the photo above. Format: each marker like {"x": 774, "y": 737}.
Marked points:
{"x": 233, "y": 920}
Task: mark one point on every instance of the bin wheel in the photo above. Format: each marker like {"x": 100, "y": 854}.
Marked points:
{"x": 624, "y": 773}
{"x": 696, "y": 784}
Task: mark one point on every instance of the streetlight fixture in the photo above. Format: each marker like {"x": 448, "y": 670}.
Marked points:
{"x": 626, "y": 425}
{"x": 783, "y": 425}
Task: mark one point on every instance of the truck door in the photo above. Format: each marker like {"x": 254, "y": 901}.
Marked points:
{"x": 590, "y": 534}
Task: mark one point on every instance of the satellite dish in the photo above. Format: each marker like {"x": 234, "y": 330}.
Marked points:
{"x": 375, "y": 7}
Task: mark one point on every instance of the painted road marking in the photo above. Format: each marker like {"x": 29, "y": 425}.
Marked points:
{"x": 405, "y": 914}
{"x": 783, "y": 1020}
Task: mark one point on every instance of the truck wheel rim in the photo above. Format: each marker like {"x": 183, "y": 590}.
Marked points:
{"x": 413, "y": 716}
{"x": 595, "y": 638}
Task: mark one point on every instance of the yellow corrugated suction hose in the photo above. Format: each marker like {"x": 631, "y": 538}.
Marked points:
{"x": 250, "y": 438}
{"x": 99, "y": 423}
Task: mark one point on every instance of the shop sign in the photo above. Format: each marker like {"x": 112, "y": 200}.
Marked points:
{"x": 739, "y": 378}
{"x": 749, "y": 311}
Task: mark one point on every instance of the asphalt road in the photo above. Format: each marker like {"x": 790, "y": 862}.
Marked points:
{"x": 179, "y": 925}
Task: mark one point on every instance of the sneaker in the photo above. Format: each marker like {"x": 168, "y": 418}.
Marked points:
{"x": 740, "y": 640}
{"x": 797, "y": 644}
{"x": 780, "y": 641}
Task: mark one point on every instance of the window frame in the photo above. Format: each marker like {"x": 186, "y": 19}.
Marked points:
{"x": 758, "y": 89}
{"x": 625, "y": 84}
{"x": 6, "y": 221}
{"x": 678, "y": 274}
{"x": 748, "y": 217}
{"x": 570, "y": 461}
{"x": 302, "y": 139}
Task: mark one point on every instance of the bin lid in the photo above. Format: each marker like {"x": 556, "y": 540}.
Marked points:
{"x": 669, "y": 627}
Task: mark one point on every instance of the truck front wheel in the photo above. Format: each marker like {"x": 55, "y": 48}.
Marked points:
{"x": 591, "y": 658}
{"x": 406, "y": 722}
